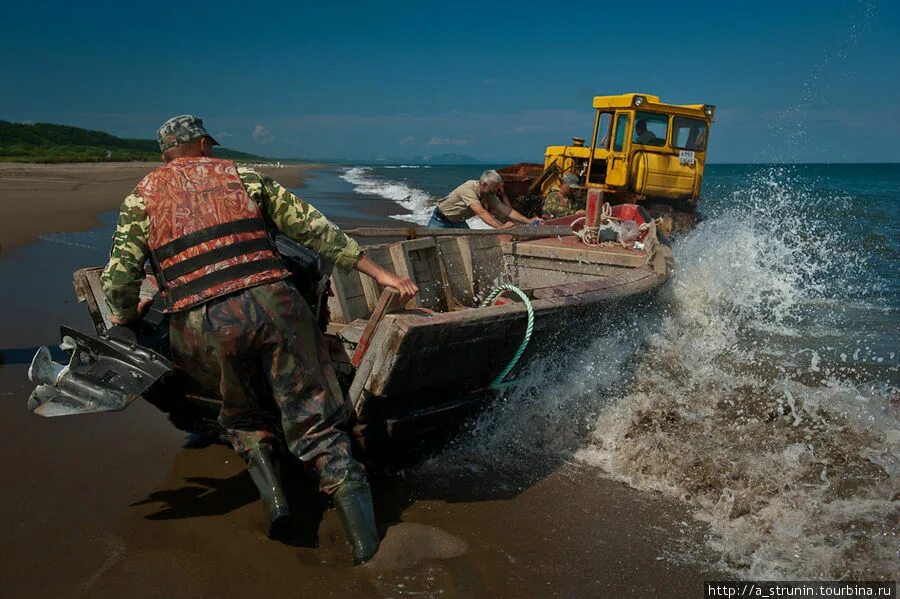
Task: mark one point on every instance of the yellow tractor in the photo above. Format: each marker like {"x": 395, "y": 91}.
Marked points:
{"x": 642, "y": 151}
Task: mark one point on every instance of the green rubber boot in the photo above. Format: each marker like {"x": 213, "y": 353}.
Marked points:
{"x": 354, "y": 505}
{"x": 264, "y": 472}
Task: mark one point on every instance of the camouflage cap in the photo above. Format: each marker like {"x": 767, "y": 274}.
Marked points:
{"x": 180, "y": 130}
{"x": 570, "y": 179}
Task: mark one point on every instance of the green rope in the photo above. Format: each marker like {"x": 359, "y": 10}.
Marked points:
{"x": 487, "y": 301}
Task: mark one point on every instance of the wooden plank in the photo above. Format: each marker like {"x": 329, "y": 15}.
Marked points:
{"x": 487, "y": 264}
{"x": 465, "y": 254}
{"x": 335, "y": 309}
{"x": 89, "y": 289}
{"x": 96, "y": 287}
{"x": 388, "y": 302}
{"x": 402, "y": 266}
{"x": 531, "y": 278}
{"x": 548, "y": 264}
{"x": 352, "y": 332}
{"x": 380, "y": 255}
{"x": 427, "y": 275}
{"x": 596, "y": 255}
{"x": 522, "y": 231}
{"x": 349, "y": 300}
{"x": 378, "y": 361}
{"x": 417, "y": 260}
{"x": 458, "y": 284}
{"x": 418, "y": 244}
{"x": 451, "y": 352}
{"x": 84, "y": 293}
{"x": 603, "y": 285}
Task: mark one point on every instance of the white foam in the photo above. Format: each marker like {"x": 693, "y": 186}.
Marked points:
{"x": 727, "y": 396}
{"x": 416, "y": 202}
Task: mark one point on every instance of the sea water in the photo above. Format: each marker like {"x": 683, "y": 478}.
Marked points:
{"x": 760, "y": 388}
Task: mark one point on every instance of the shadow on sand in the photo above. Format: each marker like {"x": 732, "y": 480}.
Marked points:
{"x": 202, "y": 496}
{"x": 434, "y": 479}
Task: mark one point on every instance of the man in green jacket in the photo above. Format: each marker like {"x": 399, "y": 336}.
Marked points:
{"x": 560, "y": 199}
{"x": 234, "y": 317}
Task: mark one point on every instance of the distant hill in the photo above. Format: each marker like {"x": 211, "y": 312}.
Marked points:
{"x": 427, "y": 159}
{"x": 448, "y": 159}
{"x": 47, "y": 142}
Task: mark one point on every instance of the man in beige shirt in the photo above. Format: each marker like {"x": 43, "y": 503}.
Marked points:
{"x": 478, "y": 198}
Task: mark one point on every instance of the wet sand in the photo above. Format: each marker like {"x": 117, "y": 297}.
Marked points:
{"x": 48, "y": 198}
{"x": 111, "y": 505}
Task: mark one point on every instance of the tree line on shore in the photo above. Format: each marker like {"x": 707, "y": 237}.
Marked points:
{"x": 48, "y": 142}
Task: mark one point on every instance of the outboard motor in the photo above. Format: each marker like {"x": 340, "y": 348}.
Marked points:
{"x": 104, "y": 374}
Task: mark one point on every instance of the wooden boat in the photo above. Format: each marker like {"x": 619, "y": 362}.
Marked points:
{"x": 410, "y": 373}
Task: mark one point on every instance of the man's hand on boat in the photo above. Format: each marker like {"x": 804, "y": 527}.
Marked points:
{"x": 142, "y": 307}
{"x": 510, "y": 224}
{"x": 386, "y": 278}
{"x": 517, "y": 218}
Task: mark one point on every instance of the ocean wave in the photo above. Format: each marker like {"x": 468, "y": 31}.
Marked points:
{"x": 419, "y": 204}
{"x": 725, "y": 395}
{"x": 416, "y": 202}
{"x": 787, "y": 452}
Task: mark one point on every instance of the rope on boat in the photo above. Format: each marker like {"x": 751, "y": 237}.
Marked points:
{"x": 591, "y": 235}
{"x": 497, "y": 292}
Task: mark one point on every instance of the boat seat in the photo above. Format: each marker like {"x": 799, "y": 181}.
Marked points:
{"x": 352, "y": 332}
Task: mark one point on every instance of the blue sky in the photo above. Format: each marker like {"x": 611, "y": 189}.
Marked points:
{"x": 793, "y": 81}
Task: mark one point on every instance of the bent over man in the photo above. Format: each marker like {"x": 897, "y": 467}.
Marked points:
{"x": 477, "y": 198}
{"x": 235, "y": 319}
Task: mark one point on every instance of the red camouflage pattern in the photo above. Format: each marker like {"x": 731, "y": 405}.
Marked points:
{"x": 190, "y": 194}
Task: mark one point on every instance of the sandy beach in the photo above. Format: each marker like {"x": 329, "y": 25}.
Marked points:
{"x": 112, "y": 505}
{"x": 48, "y": 198}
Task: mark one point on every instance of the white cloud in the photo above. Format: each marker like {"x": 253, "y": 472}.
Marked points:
{"x": 223, "y": 135}
{"x": 446, "y": 141}
{"x": 486, "y": 135}
{"x": 260, "y": 133}
{"x": 407, "y": 139}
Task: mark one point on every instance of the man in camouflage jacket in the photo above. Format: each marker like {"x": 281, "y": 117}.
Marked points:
{"x": 560, "y": 199}
{"x": 261, "y": 330}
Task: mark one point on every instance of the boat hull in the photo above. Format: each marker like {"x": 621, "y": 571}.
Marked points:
{"x": 426, "y": 368}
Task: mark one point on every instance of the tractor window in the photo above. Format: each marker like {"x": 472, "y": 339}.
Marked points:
{"x": 688, "y": 133}
{"x": 650, "y": 129}
{"x": 621, "y": 128}
{"x": 604, "y": 130}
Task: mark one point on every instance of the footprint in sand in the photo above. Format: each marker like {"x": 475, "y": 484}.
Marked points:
{"x": 408, "y": 543}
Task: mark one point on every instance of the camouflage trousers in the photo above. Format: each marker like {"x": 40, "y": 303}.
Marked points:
{"x": 259, "y": 345}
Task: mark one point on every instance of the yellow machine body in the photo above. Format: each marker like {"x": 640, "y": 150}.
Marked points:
{"x": 642, "y": 150}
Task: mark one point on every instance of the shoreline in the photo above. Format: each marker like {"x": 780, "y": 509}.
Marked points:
{"x": 38, "y": 199}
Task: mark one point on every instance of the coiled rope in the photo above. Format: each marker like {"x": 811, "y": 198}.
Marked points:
{"x": 497, "y": 382}
{"x": 591, "y": 235}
